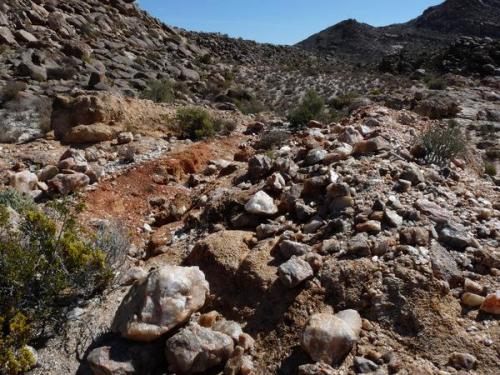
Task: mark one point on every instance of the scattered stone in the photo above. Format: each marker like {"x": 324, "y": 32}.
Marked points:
{"x": 239, "y": 363}
{"x": 393, "y": 219}
{"x": 102, "y": 362}
{"x": 317, "y": 369}
{"x": 462, "y": 361}
{"x": 329, "y": 338}
{"x": 491, "y": 304}
{"x": 65, "y": 184}
{"x": 261, "y": 204}
{"x": 444, "y": 266}
{"x": 24, "y": 182}
{"x": 472, "y": 300}
{"x": 315, "y": 156}
{"x": 435, "y": 212}
{"x": 456, "y": 237}
{"x": 294, "y": 272}
{"x": 364, "y": 366}
{"x": 291, "y": 248}
{"x": 124, "y": 138}
{"x": 196, "y": 349}
{"x": 370, "y": 226}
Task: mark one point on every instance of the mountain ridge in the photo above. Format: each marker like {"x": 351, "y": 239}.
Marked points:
{"x": 436, "y": 27}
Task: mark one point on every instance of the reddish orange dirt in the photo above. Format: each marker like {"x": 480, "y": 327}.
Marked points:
{"x": 126, "y": 197}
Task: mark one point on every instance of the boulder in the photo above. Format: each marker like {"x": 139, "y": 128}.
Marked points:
{"x": 433, "y": 210}
{"x": 24, "y": 181}
{"x": 329, "y": 338}
{"x": 371, "y": 146}
{"x": 102, "y": 363}
{"x": 164, "y": 300}
{"x": 491, "y": 304}
{"x": 196, "y": 349}
{"x": 456, "y": 237}
{"x": 444, "y": 266}
{"x": 124, "y": 138}
{"x": 6, "y": 36}
{"x": 261, "y": 204}
{"x": 259, "y": 166}
{"x": 65, "y": 184}
{"x": 89, "y": 134}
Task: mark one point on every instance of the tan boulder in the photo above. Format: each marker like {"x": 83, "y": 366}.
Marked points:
{"x": 90, "y": 134}
{"x": 164, "y": 300}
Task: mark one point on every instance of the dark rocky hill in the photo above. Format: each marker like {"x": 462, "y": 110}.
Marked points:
{"x": 435, "y": 28}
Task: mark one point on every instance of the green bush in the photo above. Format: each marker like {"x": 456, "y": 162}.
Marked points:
{"x": 16, "y": 201}
{"x": 205, "y": 59}
{"x": 271, "y": 139}
{"x": 250, "y": 106}
{"x": 436, "y": 83}
{"x": 11, "y": 89}
{"x": 47, "y": 265}
{"x": 311, "y": 107}
{"x": 196, "y": 123}
{"x": 159, "y": 91}
{"x": 344, "y": 100}
{"x": 442, "y": 144}
{"x": 490, "y": 169}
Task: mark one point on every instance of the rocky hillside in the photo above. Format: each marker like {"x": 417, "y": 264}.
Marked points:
{"x": 53, "y": 48}
{"x": 163, "y": 212}
{"x": 436, "y": 27}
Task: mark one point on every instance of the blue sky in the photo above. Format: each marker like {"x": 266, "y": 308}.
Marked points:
{"x": 280, "y": 21}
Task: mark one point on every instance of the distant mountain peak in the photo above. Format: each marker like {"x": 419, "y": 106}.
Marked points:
{"x": 437, "y": 26}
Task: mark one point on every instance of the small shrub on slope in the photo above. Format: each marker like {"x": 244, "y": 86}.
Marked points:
{"x": 442, "y": 144}
{"x": 47, "y": 265}
{"x": 161, "y": 91}
{"x": 196, "y": 123}
{"x": 311, "y": 108}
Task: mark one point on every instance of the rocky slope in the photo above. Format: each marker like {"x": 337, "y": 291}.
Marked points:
{"x": 335, "y": 218}
{"x": 58, "y": 48}
{"x": 435, "y": 28}
{"x": 332, "y": 248}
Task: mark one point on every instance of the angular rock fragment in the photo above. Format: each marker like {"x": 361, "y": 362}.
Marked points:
{"x": 196, "y": 349}
{"x": 294, "y": 272}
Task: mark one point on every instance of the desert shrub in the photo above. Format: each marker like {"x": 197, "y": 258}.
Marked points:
{"x": 271, "y": 139}
{"x": 311, "y": 108}
{"x": 114, "y": 240}
{"x": 443, "y": 143}
{"x": 88, "y": 30}
{"x": 16, "y": 201}
{"x": 490, "y": 169}
{"x": 487, "y": 130}
{"x": 227, "y": 127}
{"x": 47, "y": 265}
{"x": 196, "y": 123}
{"x": 344, "y": 100}
{"x": 251, "y": 106}
{"x": 205, "y": 59}
{"x": 436, "y": 83}
{"x": 11, "y": 89}
{"x": 159, "y": 91}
